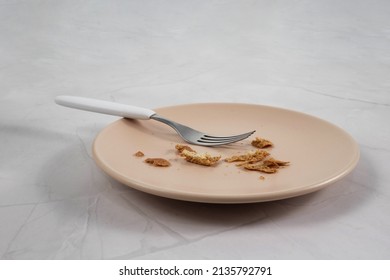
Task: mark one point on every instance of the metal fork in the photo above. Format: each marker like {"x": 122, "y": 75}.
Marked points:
{"x": 127, "y": 111}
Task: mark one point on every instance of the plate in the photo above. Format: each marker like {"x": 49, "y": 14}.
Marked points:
{"x": 319, "y": 153}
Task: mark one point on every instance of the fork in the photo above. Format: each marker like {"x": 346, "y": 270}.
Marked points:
{"x": 132, "y": 112}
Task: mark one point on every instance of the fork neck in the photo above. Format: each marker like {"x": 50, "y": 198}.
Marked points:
{"x": 163, "y": 120}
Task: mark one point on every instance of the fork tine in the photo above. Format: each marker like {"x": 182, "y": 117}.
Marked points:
{"x": 220, "y": 141}
{"x": 243, "y": 136}
{"x": 214, "y": 143}
{"x": 224, "y": 140}
{"x": 211, "y": 143}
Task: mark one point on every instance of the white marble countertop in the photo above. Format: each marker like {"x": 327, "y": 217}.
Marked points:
{"x": 330, "y": 59}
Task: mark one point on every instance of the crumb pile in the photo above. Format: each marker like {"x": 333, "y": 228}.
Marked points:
{"x": 259, "y": 160}
{"x": 255, "y": 160}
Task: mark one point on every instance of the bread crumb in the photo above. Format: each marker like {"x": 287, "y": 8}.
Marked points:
{"x": 192, "y": 156}
{"x": 202, "y": 159}
{"x": 181, "y": 148}
{"x": 159, "y": 162}
{"x": 262, "y": 178}
{"x": 250, "y": 157}
{"x": 139, "y": 154}
{"x": 261, "y": 143}
{"x": 260, "y": 167}
{"x": 272, "y": 161}
{"x": 270, "y": 165}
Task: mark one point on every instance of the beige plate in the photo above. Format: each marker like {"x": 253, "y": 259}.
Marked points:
{"x": 320, "y": 154}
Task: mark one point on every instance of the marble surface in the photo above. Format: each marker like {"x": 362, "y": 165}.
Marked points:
{"x": 330, "y": 59}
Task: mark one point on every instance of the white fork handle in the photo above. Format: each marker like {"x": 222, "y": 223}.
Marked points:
{"x": 104, "y": 107}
